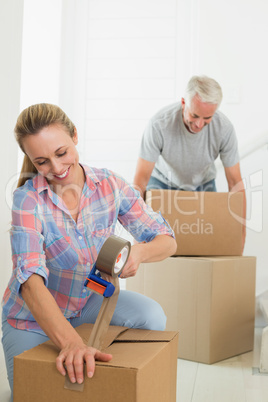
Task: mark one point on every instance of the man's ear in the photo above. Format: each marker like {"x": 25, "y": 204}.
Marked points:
{"x": 183, "y": 103}
{"x": 75, "y": 137}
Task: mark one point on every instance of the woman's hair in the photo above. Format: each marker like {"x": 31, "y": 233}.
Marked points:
{"x": 207, "y": 89}
{"x": 30, "y": 122}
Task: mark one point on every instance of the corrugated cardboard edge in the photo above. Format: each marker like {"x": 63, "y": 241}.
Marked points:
{"x": 114, "y": 334}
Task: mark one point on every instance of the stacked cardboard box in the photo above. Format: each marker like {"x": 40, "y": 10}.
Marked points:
{"x": 208, "y": 289}
{"x": 204, "y": 223}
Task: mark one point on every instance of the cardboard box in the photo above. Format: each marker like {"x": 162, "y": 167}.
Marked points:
{"x": 143, "y": 368}
{"x": 210, "y": 301}
{"x": 205, "y": 223}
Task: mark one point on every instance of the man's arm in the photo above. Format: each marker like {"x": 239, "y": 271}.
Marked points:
{"x": 235, "y": 183}
{"x": 142, "y": 176}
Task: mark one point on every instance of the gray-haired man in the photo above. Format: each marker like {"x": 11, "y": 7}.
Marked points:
{"x": 182, "y": 141}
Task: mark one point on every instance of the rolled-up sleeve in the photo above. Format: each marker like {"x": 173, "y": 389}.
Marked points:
{"x": 28, "y": 256}
{"x": 26, "y": 237}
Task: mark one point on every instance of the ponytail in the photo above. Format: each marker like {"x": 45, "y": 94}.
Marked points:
{"x": 28, "y": 170}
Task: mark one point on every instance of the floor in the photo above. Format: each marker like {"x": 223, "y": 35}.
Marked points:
{"x": 233, "y": 380}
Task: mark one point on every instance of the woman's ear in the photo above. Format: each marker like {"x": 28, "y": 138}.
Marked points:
{"x": 75, "y": 137}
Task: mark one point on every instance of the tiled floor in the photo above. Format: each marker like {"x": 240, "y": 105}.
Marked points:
{"x": 233, "y": 380}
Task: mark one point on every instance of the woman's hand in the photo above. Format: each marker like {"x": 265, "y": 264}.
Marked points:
{"x": 72, "y": 358}
{"x": 134, "y": 260}
{"x": 73, "y": 351}
{"x": 161, "y": 247}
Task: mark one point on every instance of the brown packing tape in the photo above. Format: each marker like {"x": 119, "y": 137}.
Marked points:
{"x": 109, "y": 264}
{"x": 107, "y": 260}
{"x": 104, "y": 318}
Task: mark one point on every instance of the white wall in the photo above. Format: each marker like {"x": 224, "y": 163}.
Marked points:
{"x": 124, "y": 70}
{"x": 138, "y": 56}
{"x": 231, "y": 48}
{"x": 30, "y": 37}
{"x": 41, "y": 52}
{"x": 131, "y": 58}
{"x": 10, "y": 44}
{"x": 111, "y": 64}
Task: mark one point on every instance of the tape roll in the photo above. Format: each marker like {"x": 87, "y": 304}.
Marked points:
{"x": 113, "y": 256}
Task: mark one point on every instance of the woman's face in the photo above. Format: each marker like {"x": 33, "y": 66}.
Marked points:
{"x": 53, "y": 153}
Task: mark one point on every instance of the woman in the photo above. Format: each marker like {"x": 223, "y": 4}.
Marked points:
{"x": 62, "y": 213}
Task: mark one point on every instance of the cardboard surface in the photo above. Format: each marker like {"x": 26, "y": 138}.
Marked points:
{"x": 143, "y": 368}
{"x": 205, "y": 223}
{"x": 209, "y": 300}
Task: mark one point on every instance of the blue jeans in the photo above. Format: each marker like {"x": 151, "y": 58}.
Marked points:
{"x": 154, "y": 183}
{"x": 133, "y": 310}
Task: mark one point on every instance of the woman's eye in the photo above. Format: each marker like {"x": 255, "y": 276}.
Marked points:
{"x": 41, "y": 163}
{"x": 62, "y": 154}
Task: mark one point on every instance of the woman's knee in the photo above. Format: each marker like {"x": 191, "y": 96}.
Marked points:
{"x": 138, "y": 311}
{"x": 154, "y": 316}
{"x": 15, "y": 342}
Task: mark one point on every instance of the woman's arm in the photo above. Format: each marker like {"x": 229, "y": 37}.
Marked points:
{"x": 73, "y": 351}
{"x": 158, "y": 249}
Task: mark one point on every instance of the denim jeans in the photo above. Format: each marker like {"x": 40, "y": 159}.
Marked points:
{"x": 154, "y": 183}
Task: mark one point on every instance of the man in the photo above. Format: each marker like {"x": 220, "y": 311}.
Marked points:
{"x": 182, "y": 141}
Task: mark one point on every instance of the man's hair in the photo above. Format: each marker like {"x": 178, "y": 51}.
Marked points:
{"x": 207, "y": 89}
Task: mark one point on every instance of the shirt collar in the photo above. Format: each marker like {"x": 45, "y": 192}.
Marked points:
{"x": 40, "y": 182}
{"x": 91, "y": 178}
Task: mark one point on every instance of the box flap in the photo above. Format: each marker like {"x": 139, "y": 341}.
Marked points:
{"x": 144, "y": 345}
{"x": 47, "y": 350}
{"x": 137, "y": 335}
{"x": 85, "y": 329}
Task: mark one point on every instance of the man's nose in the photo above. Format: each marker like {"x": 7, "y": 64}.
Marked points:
{"x": 199, "y": 123}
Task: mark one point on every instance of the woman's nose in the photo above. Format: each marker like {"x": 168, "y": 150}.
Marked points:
{"x": 56, "y": 167}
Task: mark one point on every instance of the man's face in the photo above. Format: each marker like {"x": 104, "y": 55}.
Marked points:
{"x": 197, "y": 115}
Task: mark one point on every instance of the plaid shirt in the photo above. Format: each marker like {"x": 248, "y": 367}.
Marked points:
{"x": 47, "y": 241}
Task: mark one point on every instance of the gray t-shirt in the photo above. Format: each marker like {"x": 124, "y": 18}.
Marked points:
{"x": 183, "y": 159}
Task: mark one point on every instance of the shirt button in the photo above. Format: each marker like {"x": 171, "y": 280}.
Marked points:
{"x": 19, "y": 258}
{"x": 84, "y": 290}
{"x": 80, "y": 237}
{"x": 88, "y": 264}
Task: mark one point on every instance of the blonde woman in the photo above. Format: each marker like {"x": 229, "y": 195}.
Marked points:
{"x": 62, "y": 213}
